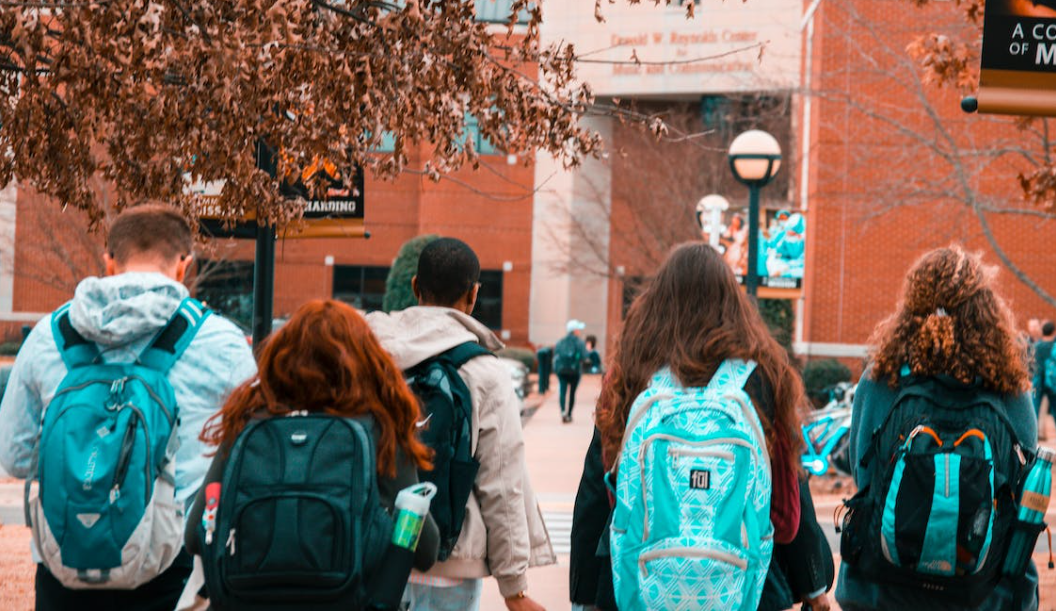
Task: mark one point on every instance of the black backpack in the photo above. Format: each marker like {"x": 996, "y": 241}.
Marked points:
{"x": 300, "y": 524}
{"x": 568, "y": 360}
{"x": 447, "y": 408}
{"x": 938, "y": 514}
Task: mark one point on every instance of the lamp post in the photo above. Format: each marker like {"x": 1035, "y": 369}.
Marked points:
{"x": 755, "y": 157}
{"x": 714, "y": 206}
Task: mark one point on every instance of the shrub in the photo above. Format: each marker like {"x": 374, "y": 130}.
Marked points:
{"x": 524, "y": 355}
{"x": 10, "y": 348}
{"x": 398, "y": 293}
{"x": 779, "y": 317}
{"x": 819, "y": 375}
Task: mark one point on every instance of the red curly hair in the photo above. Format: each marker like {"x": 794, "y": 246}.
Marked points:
{"x": 952, "y": 321}
{"x": 327, "y": 360}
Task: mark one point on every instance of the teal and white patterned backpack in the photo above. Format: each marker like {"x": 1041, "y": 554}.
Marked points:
{"x": 691, "y": 528}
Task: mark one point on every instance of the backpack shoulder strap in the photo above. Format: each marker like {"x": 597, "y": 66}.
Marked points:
{"x": 168, "y": 345}
{"x": 463, "y": 353}
{"x": 75, "y": 350}
{"x": 732, "y": 372}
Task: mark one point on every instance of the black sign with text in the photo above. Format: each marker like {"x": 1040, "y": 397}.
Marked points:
{"x": 1020, "y": 35}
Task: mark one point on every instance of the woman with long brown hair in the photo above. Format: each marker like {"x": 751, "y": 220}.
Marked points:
{"x": 949, "y": 355}
{"x": 691, "y": 319}
{"x": 326, "y": 360}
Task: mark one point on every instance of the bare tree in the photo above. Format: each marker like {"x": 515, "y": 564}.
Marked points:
{"x": 626, "y": 220}
{"x": 915, "y": 146}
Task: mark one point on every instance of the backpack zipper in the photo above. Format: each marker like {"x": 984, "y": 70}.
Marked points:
{"x": 230, "y": 545}
{"x": 690, "y": 552}
{"x": 125, "y": 458}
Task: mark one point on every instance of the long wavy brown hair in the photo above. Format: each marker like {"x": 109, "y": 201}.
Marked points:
{"x": 327, "y": 360}
{"x": 691, "y": 318}
{"x": 952, "y": 321}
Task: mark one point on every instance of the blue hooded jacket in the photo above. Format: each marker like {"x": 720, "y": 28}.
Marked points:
{"x": 122, "y": 314}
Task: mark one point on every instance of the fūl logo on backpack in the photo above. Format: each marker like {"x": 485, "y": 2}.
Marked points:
{"x": 89, "y": 472}
{"x": 699, "y": 479}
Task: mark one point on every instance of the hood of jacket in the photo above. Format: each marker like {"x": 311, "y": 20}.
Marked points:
{"x": 418, "y": 333}
{"x": 118, "y": 310}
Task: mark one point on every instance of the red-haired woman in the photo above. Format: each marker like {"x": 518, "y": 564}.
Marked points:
{"x": 326, "y": 360}
{"x": 951, "y": 340}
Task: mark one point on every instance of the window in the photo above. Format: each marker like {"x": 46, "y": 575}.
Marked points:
{"x": 497, "y": 11}
{"x": 361, "y": 287}
{"x": 489, "y": 299}
{"x": 481, "y": 144}
{"x": 227, "y": 288}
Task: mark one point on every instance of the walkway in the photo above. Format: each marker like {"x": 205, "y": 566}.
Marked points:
{"x": 555, "y": 454}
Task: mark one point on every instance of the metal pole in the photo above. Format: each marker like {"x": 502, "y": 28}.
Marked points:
{"x": 263, "y": 284}
{"x": 751, "y": 278}
{"x": 264, "y": 265}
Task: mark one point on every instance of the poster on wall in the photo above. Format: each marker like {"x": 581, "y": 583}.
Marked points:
{"x": 1018, "y": 69}
{"x": 782, "y": 248}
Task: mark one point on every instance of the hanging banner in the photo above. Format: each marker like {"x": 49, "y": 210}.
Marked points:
{"x": 1018, "y": 75}
{"x": 338, "y": 213}
{"x": 782, "y": 249}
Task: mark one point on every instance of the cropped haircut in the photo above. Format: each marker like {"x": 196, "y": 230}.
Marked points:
{"x": 1048, "y": 328}
{"x": 447, "y": 270}
{"x": 155, "y": 230}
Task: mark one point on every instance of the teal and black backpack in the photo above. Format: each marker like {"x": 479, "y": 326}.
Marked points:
{"x": 939, "y": 512}
{"x": 447, "y": 409}
{"x": 105, "y": 515}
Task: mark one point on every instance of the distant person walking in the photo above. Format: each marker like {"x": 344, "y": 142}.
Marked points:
{"x": 942, "y": 435}
{"x": 126, "y": 373}
{"x": 502, "y": 534}
{"x": 1045, "y": 370}
{"x": 699, "y": 415}
{"x": 569, "y": 354}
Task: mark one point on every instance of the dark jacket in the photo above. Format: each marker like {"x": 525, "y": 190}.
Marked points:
{"x": 388, "y": 488}
{"x": 873, "y": 401}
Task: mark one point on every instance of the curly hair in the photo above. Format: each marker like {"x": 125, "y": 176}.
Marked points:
{"x": 952, "y": 321}
{"x": 691, "y": 318}
{"x": 327, "y": 360}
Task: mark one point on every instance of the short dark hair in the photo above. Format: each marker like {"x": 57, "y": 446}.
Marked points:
{"x": 154, "y": 229}
{"x": 447, "y": 270}
{"x": 1048, "y": 328}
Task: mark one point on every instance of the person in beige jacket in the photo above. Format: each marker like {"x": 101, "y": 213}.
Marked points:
{"x": 503, "y": 533}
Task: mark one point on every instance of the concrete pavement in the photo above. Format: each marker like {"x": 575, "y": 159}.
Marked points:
{"x": 554, "y": 452}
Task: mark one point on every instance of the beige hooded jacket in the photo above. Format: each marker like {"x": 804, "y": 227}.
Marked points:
{"x": 504, "y": 532}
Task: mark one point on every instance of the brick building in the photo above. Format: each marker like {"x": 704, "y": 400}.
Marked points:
{"x": 882, "y": 165}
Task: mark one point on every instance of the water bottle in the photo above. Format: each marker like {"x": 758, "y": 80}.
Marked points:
{"x": 1032, "y": 507}
{"x": 412, "y": 507}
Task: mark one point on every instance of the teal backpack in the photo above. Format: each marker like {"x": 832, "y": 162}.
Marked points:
{"x": 691, "y": 528}
{"x": 105, "y": 515}
{"x": 938, "y": 512}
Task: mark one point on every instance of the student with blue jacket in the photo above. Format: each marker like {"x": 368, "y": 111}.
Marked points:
{"x": 147, "y": 258}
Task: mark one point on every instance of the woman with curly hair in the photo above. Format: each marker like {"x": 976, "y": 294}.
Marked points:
{"x": 953, "y": 337}
{"x": 691, "y": 319}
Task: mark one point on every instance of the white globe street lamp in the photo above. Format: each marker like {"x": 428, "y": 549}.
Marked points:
{"x": 755, "y": 157}
{"x": 714, "y": 206}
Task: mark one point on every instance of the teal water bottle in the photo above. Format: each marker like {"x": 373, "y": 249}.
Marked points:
{"x": 1033, "y": 504}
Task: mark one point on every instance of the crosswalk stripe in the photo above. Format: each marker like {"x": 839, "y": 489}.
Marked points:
{"x": 559, "y": 525}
